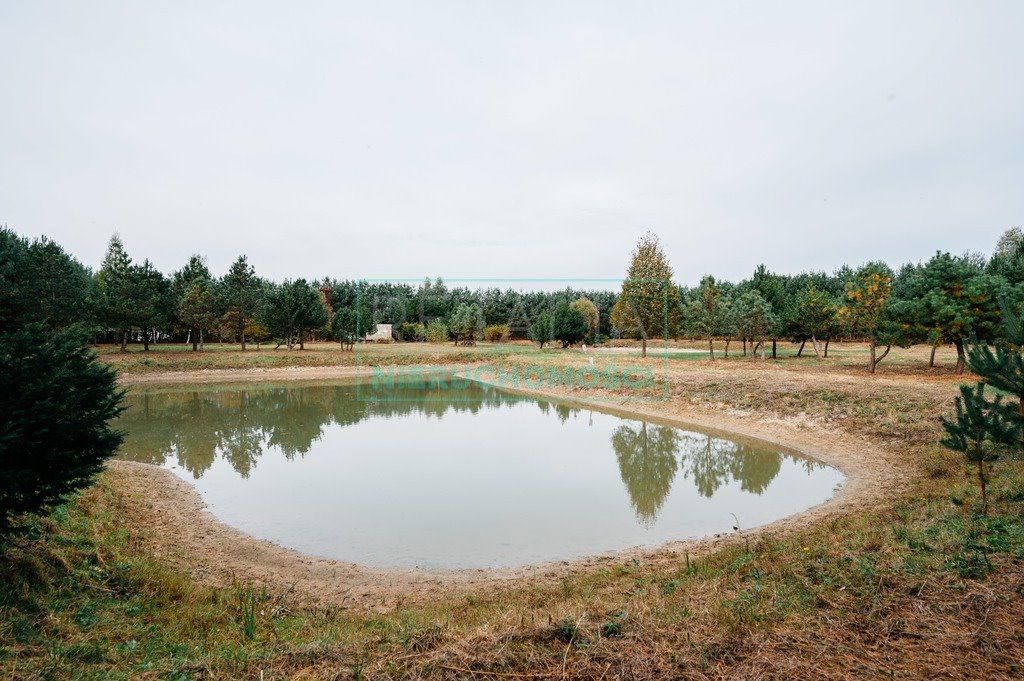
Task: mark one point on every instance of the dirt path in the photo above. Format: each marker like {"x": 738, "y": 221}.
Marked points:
{"x": 169, "y": 517}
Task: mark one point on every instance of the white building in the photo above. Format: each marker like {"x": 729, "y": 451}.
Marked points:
{"x": 384, "y": 333}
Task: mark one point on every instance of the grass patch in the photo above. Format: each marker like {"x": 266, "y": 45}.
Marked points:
{"x": 921, "y": 587}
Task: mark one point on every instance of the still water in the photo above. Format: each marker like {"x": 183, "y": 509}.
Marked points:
{"x": 456, "y": 478}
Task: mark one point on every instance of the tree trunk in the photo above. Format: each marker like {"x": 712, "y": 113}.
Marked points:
{"x": 744, "y": 346}
{"x": 961, "y": 360}
{"x": 828, "y": 339}
{"x": 201, "y": 346}
{"x": 194, "y": 335}
{"x": 800, "y": 352}
{"x": 124, "y": 340}
{"x": 882, "y": 356}
{"x": 302, "y": 338}
{"x": 727, "y": 340}
{"x": 871, "y": 359}
{"x": 931, "y": 359}
{"x": 983, "y": 482}
{"x": 711, "y": 348}
{"x": 643, "y": 348}
{"x": 243, "y": 338}
{"x": 145, "y": 341}
{"x": 773, "y": 349}
{"x": 814, "y": 344}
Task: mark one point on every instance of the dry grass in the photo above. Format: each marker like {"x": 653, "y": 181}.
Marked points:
{"x": 922, "y": 588}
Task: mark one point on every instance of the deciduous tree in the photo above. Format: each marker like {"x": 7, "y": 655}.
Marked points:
{"x": 590, "y": 314}
{"x": 649, "y": 301}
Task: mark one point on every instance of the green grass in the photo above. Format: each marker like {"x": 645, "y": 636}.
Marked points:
{"x": 923, "y": 586}
{"x": 180, "y": 357}
{"x": 81, "y": 599}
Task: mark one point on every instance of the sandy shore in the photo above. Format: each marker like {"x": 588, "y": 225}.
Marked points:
{"x": 168, "y": 515}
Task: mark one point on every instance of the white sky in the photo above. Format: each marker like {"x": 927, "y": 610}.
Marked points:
{"x": 485, "y": 139}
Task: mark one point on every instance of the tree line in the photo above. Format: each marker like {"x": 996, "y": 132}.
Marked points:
{"x": 948, "y": 299}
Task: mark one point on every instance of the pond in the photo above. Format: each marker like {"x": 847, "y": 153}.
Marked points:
{"x": 445, "y": 478}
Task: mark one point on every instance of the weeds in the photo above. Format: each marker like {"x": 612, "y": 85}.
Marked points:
{"x": 249, "y": 601}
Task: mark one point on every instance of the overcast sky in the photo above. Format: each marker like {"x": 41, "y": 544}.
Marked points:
{"x": 512, "y": 139}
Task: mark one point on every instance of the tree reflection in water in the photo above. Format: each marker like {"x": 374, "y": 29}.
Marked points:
{"x": 647, "y": 464}
{"x": 239, "y": 424}
{"x": 650, "y": 456}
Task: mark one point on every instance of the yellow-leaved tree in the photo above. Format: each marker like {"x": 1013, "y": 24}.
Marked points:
{"x": 648, "y": 305}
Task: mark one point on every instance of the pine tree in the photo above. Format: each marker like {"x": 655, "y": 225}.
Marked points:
{"x": 292, "y": 309}
{"x": 540, "y": 329}
{"x": 817, "y": 313}
{"x": 568, "y": 324}
{"x": 1003, "y": 367}
{"x": 351, "y": 323}
{"x": 980, "y": 431}
{"x": 755, "y": 320}
{"x": 868, "y": 308}
{"x": 772, "y": 288}
{"x": 706, "y": 312}
{"x": 953, "y": 299}
{"x": 152, "y": 296}
{"x": 984, "y": 428}
{"x": 116, "y": 282}
{"x": 195, "y": 271}
{"x": 241, "y": 289}
{"x": 55, "y": 411}
{"x": 467, "y": 324}
{"x": 196, "y": 309}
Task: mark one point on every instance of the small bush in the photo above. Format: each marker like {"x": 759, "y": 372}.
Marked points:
{"x": 412, "y": 331}
{"x": 496, "y": 333}
{"x": 436, "y": 332}
{"x": 56, "y": 406}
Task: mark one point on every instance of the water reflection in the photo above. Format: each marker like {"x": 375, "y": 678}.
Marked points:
{"x": 647, "y": 464}
{"x": 195, "y": 428}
